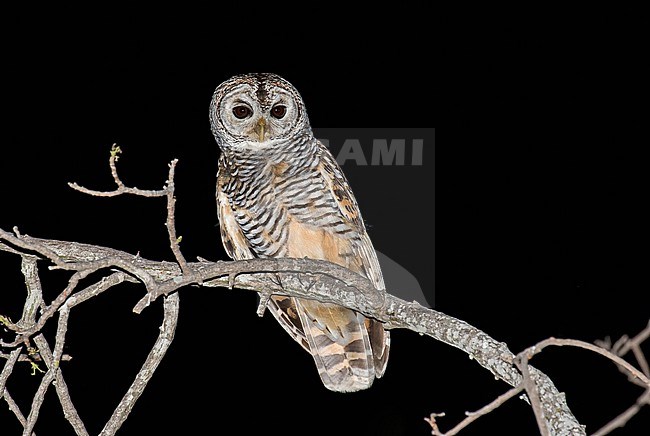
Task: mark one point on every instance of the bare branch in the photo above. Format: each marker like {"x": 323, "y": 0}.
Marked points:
{"x": 7, "y": 369}
{"x": 435, "y": 430}
{"x": 473, "y": 416}
{"x": 14, "y": 408}
{"x": 34, "y": 299}
{"x": 26, "y": 358}
{"x": 28, "y": 326}
{"x": 47, "y": 379}
{"x": 327, "y": 283}
{"x": 634, "y": 344}
{"x": 121, "y": 187}
{"x": 26, "y": 332}
{"x": 640, "y": 358}
{"x": 174, "y": 240}
{"x": 167, "y": 191}
{"x": 641, "y": 337}
{"x": 623, "y": 418}
{"x": 535, "y": 349}
{"x": 622, "y": 347}
{"x": 93, "y": 259}
{"x": 167, "y": 330}
{"x": 69, "y": 411}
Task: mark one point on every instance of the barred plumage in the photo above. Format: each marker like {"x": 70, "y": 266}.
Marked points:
{"x": 280, "y": 193}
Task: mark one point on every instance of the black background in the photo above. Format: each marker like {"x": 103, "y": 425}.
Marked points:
{"x": 541, "y": 224}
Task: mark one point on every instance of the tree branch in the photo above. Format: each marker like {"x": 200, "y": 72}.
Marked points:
{"x": 7, "y": 369}
{"x": 623, "y": 418}
{"x": 535, "y": 349}
{"x": 121, "y": 187}
{"x": 301, "y": 278}
{"x": 620, "y": 348}
{"x": 28, "y": 325}
{"x": 473, "y": 416}
{"x": 37, "y": 402}
{"x": 167, "y": 329}
{"x": 69, "y": 411}
{"x": 326, "y": 282}
{"x": 14, "y": 408}
{"x": 27, "y": 358}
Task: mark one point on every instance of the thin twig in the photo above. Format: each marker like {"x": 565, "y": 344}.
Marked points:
{"x": 167, "y": 191}
{"x": 642, "y": 336}
{"x": 640, "y": 358}
{"x": 27, "y": 358}
{"x": 435, "y": 430}
{"x": 121, "y": 187}
{"x": 623, "y": 418}
{"x": 174, "y": 240}
{"x": 622, "y": 347}
{"x": 535, "y": 349}
{"x": 473, "y": 416}
{"x": 634, "y": 344}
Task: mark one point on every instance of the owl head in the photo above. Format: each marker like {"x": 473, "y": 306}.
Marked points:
{"x": 256, "y": 110}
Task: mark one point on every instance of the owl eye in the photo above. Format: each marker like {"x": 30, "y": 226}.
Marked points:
{"x": 278, "y": 111}
{"x": 241, "y": 111}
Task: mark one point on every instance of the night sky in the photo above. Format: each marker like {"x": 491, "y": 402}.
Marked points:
{"x": 540, "y": 218}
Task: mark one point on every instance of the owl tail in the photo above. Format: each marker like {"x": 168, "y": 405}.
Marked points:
{"x": 339, "y": 342}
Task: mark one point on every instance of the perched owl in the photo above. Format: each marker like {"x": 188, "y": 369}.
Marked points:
{"x": 280, "y": 193}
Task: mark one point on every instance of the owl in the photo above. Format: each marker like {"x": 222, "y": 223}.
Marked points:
{"x": 280, "y": 193}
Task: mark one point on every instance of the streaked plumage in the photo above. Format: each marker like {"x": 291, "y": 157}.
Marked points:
{"x": 280, "y": 193}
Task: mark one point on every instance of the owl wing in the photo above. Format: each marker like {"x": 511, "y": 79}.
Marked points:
{"x": 237, "y": 247}
{"x": 364, "y": 251}
{"x": 338, "y": 185}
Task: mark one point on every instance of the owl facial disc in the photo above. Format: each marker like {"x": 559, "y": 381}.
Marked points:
{"x": 257, "y": 111}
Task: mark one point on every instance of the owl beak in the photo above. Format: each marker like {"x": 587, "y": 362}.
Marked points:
{"x": 261, "y": 126}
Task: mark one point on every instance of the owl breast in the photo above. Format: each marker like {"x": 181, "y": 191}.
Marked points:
{"x": 279, "y": 206}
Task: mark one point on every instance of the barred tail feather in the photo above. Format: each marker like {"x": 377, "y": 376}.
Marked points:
{"x": 341, "y": 350}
